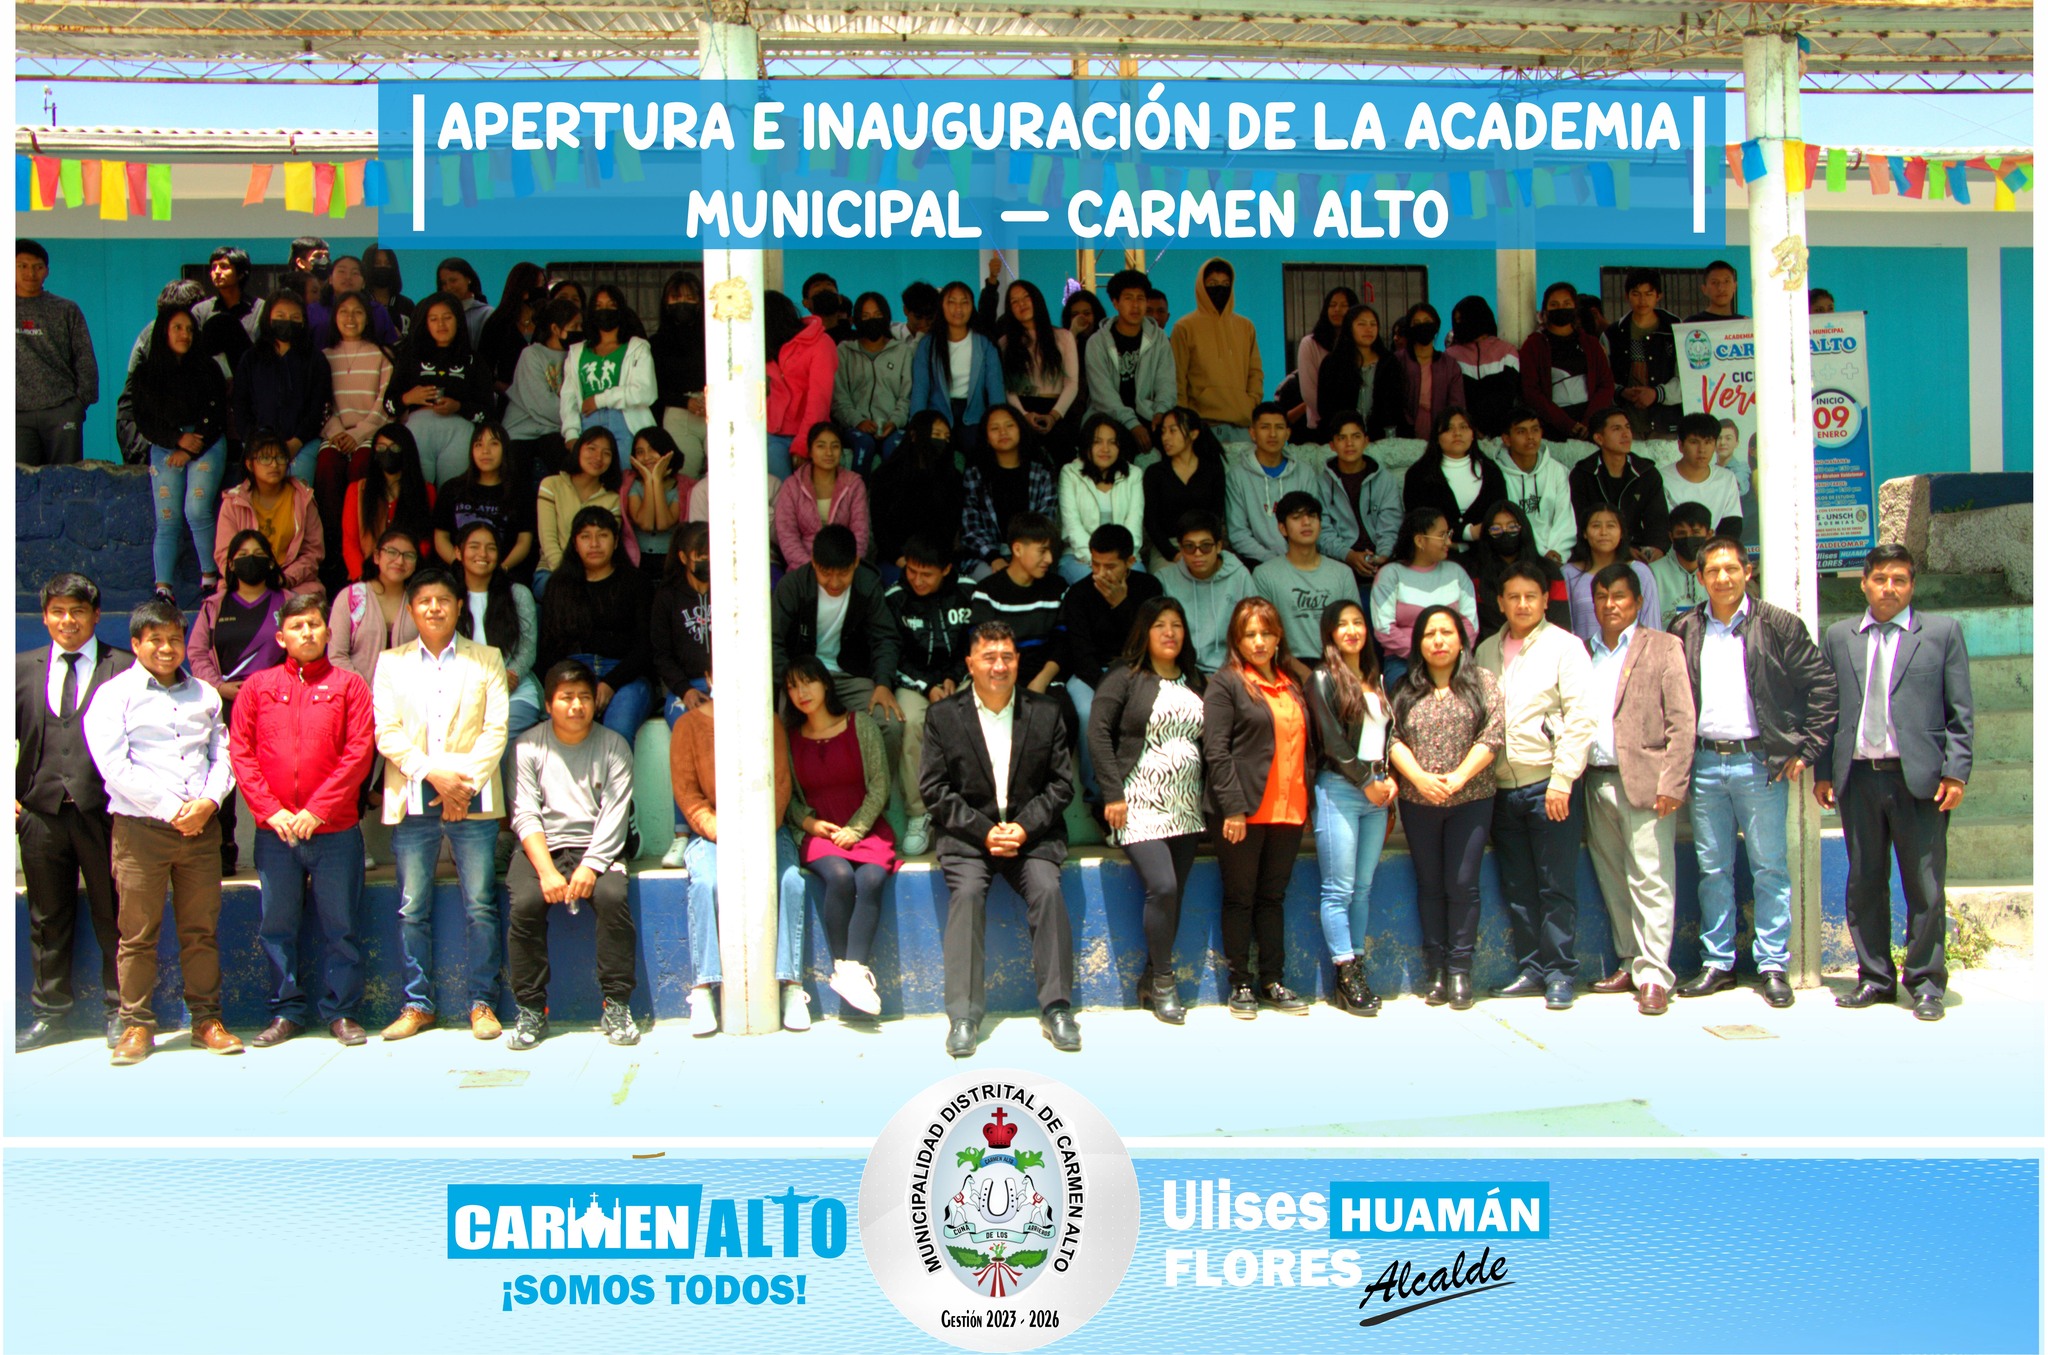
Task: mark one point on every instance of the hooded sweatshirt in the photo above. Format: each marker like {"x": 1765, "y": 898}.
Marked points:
{"x": 872, "y": 386}
{"x": 1216, "y": 357}
{"x": 1249, "y": 495}
{"x": 1209, "y": 603}
{"x": 1378, "y": 506}
{"x": 800, "y": 382}
{"x": 1545, "y": 494}
{"x": 1154, "y": 386}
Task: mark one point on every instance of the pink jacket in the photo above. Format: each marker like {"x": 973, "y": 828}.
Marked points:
{"x": 796, "y": 514}
{"x": 301, "y": 559}
{"x": 800, "y": 383}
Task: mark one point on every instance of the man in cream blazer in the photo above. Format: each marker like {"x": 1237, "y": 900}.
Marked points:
{"x": 442, "y": 709}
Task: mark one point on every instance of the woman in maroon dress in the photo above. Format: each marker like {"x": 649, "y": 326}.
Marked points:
{"x": 841, "y": 772}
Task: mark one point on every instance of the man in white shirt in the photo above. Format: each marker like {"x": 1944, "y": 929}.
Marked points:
{"x": 1538, "y": 483}
{"x": 1694, "y": 478}
{"x": 157, "y": 737}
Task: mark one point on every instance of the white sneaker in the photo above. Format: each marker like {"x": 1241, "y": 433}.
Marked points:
{"x": 917, "y": 836}
{"x": 369, "y": 861}
{"x": 796, "y": 1007}
{"x": 856, "y": 984}
{"x": 672, "y": 859}
{"x": 703, "y": 1015}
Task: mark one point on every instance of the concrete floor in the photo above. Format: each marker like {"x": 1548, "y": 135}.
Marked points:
{"x": 1502, "y": 1069}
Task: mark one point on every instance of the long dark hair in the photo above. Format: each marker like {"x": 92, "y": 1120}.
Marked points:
{"x": 1285, "y": 665}
{"x": 1489, "y": 560}
{"x": 1351, "y": 689}
{"x": 162, "y": 375}
{"x": 918, "y": 451}
{"x": 412, "y": 486}
{"x": 471, "y": 479}
{"x": 525, "y": 285}
{"x": 1324, "y": 332}
{"x": 613, "y": 474}
{"x": 330, "y": 333}
{"x": 1126, "y": 451}
{"x": 936, "y": 336}
{"x": 780, "y": 322}
{"x": 1347, "y": 344}
{"x": 1137, "y": 655}
{"x": 1029, "y": 353}
{"x": 1417, "y": 522}
{"x": 1472, "y": 320}
{"x": 1409, "y": 318}
{"x": 809, "y": 669}
{"x": 1465, "y": 684}
{"x": 629, "y": 319}
{"x": 275, "y": 583}
{"x": 418, "y": 346}
{"x": 501, "y": 615}
{"x": 462, "y": 266}
{"x": 266, "y": 332}
{"x": 568, "y": 617}
{"x": 1582, "y": 549}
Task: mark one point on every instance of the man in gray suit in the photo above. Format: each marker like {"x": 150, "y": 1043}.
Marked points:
{"x": 1897, "y": 763}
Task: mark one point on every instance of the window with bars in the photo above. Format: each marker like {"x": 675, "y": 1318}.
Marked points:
{"x": 640, "y": 281}
{"x": 1684, "y": 291}
{"x": 1389, "y": 289}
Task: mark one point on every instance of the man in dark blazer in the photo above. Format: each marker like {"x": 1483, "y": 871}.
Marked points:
{"x": 1897, "y": 763}
{"x": 997, "y": 777}
{"x": 60, "y": 804}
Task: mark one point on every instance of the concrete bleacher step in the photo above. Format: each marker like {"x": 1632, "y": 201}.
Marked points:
{"x": 1931, "y": 592}
{"x": 1997, "y": 849}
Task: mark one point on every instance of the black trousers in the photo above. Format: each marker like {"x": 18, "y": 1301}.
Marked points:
{"x": 1162, "y": 866}
{"x": 1881, "y": 818}
{"x": 1446, "y": 844}
{"x": 1045, "y": 911}
{"x": 1538, "y": 860}
{"x": 56, "y": 849}
{"x": 526, "y": 938}
{"x": 851, "y": 905}
{"x": 1255, "y": 874}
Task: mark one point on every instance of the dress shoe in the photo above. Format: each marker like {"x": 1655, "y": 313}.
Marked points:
{"x": 215, "y": 1038}
{"x": 1351, "y": 992}
{"x": 115, "y": 1025}
{"x": 1057, "y": 1024}
{"x": 410, "y": 1022}
{"x": 1437, "y": 993}
{"x": 1558, "y": 995}
{"x": 1244, "y": 1003}
{"x": 1653, "y": 999}
{"x": 1776, "y": 991}
{"x": 1868, "y": 995}
{"x": 1162, "y": 995}
{"x": 1460, "y": 992}
{"x": 41, "y": 1031}
{"x": 1617, "y": 982}
{"x": 347, "y": 1030}
{"x": 1928, "y": 1008}
{"x": 134, "y": 1045}
{"x": 961, "y": 1038}
{"x": 277, "y": 1032}
{"x": 1280, "y": 998}
{"x": 1525, "y": 985}
{"x": 484, "y": 1023}
{"x": 1707, "y": 981}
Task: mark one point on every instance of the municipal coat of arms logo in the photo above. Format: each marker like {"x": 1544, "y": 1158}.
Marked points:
{"x": 1002, "y": 1219}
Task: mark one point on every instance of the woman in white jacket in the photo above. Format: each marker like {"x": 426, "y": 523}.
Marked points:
{"x": 608, "y": 378}
{"x": 1099, "y": 487}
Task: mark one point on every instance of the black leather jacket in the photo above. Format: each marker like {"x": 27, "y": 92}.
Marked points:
{"x": 1791, "y": 686}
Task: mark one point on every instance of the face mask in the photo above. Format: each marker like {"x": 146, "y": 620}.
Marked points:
{"x": 573, "y": 336}
{"x": 1219, "y": 297}
{"x": 1422, "y": 332}
{"x": 678, "y": 312}
{"x": 252, "y": 569}
{"x": 1688, "y": 547}
{"x": 874, "y": 328}
{"x": 321, "y": 268}
{"x": 1560, "y": 317}
{"x": 605, "y": 317}
{"x": 384, "y": 279}
{"x": 390, "y": 459}
{"x": 1507, "y": 543}
{"x": 288, "y": 331}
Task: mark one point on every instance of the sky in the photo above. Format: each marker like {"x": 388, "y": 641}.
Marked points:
{"x": 1934, "y": 121}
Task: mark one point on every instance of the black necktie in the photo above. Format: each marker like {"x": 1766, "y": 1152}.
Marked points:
{"x": 67, "y": 699}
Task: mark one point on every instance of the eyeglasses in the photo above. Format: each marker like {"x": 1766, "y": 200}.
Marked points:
{"x": 1444, "y": 537}
{"x": 270, "y": 459}
{"x": 405, "y": 556}
{"x": 1197, "y": 547}
{"x": 1496, "y": 529}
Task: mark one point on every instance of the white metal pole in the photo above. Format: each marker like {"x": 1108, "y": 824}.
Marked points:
{"x": 1784, "y": 409}
{"x": 736, "y": 436}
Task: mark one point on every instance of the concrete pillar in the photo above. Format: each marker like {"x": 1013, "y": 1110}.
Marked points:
{"x": 1986, "y": 360}
{"x": 1514, "y": 301}
{"x": 736, "y": 403}
{"x": 1784, "y": 421}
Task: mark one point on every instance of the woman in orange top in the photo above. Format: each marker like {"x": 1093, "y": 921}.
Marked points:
{"x": 1262, "y": 750}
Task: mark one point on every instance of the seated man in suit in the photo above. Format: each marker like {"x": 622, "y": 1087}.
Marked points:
{"x": 997, "y": 778}
{"x": 1897, "y": 760}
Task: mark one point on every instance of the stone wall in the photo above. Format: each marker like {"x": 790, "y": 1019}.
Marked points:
{"x": 97, "y": 518}
{"x": 1964, "y": 524}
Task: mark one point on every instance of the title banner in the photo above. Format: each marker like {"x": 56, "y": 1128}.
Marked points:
{"x": 1019, "y": 164}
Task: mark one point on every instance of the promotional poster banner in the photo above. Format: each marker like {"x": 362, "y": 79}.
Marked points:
{"x": 1720, "y": 379}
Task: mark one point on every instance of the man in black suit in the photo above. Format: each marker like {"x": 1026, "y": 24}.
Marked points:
{"x": 60, "y": 804}
{"x": 997, "y": 778}
{"x": 1897, "y": 762}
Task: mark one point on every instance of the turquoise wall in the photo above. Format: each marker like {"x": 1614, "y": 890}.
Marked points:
{"x": 2016, "y": 317}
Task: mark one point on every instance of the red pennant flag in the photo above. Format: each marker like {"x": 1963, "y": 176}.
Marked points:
{"x": 323, "y": 188}
{"x": 47, "y": 170}
{"x": 1916, "y": 177}
{"x": 1813, "y": 154}
{"x": 259, "y": 184}
{"x": 138, "y": 189}
{"x": 1735, "y": 164}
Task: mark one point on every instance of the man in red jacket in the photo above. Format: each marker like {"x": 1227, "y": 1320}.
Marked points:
{"x": 301, "y": 740}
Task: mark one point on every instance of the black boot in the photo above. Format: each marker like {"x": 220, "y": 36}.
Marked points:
{"x": 1359, "y": 993}
{"x": 1438, "y": 991}
{"x": 1461, "y": 992}
{"x": 1163, "y": 997}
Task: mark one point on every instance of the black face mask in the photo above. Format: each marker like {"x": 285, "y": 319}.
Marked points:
{"x": 384, "y": 279}
{"x": 1219, "y": 297}
{"x": 1560, "y": 317}
{"x": 679, "y": 312}
{"x": 1688, "y": 547}
{"x": 874, "y": 328}
{"x": 573, "y": 336}
{"x": 390, "y": 459}
{"x": 320, "y": 268}
{"x": 1422, "y": 331}
{"x": 288, "y": 331}
{"x": 252, "y": 569}
{"x": 1508, "y": 544}
{"x": 605, "y": 317}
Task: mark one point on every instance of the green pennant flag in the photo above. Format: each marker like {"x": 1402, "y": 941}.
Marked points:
{"x": 1620, "y": 184}
{"x": 906, "y": 167}
{"x": 1991, "y": 162}
{"x": 857, "y": 165}
{"x": 629, "y": 162}
{"x": 451, "y": 181}
{"x": 481, "y": 163}
{"x": 159, "y": 192}
{"x": 1478, "y": 195}
{"x": 1937, "y": 180}
{"x": 568, "y": 169}
{"x": 1127, "y": 179}
{"x": 963, "y": 168}
{"x": 71, "y": 182}
{"x": 1285, "y": 184}
{"x": 1041, "y": 176}
{"x": 1198, "y": 181}
{"x": 543, "y": 171}
{"x": 337, "y": 200}
{"x": 398, "y": 182}
{"x": 1838, "y": 170}
{"x": 1542, "y": 190}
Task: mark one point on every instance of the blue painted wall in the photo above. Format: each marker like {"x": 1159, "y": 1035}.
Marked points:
{"x": 2016, "y": 316}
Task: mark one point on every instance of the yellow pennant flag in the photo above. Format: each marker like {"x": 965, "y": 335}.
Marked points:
{"x": 1795, "y": 166}
{"x": 298, "y": 187}
{"x": 113, "y": 190}
{"x": 2002, "y": 199}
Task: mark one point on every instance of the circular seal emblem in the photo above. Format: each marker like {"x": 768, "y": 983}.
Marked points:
{"x": 999, "y": 1210}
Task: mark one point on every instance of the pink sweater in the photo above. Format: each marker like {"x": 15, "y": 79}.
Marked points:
{"x": 800, "y": 383}
{"x": 300, "y": 560}
{"x": 796, "y": 514}
{"x": 360, "y": 372}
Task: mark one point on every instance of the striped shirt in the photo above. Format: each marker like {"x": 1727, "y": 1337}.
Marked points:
{"x": 359, "y": 372}
{"x": 1401, "y": 592}
{"x": 1031, "y": 610}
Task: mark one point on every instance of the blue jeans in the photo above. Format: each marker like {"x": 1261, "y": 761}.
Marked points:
{"x": 630, "y": 703}
{"x": 1083, "y": 697}
{"x": 526, "y": 708}
{"x": 335, "y": 863}
{"x": 701, "y": 859}
{"x": 779, "y": 458}
{"x": 1350, "y": 831}
{"x": 305, "y": 461}
{"x": 1731, "y": 792}
{"x": 1073, "y": 569}
{"x": 197, "y": 484}
{"x": 867, "y": 451}
{"x": 415, "y": 843}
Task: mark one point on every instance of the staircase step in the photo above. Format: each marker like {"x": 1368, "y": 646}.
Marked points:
{"x": 1934, "y": 592}
{"x": 1998, "y": 790}
{"x": 2005, "y": 735}
{"x": 1993, "y": 849}
{"x": 2002, "y": 682}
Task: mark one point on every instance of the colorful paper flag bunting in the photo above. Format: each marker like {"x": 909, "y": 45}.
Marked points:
{"x": 376, "y": 191}
{"x": 1937, "y": 181}
{"x": 1734, "y": 157}
{"x": 71, "y": 182}
{"x": 1959, "y": 182}
{"x": 1916, "y": 177}
{"x": 92, "y": 174}
{"x": 1813, "y": 154}
{"x": 138, "y": 189}
{"x": 1838, "y": 169}
{"x": 298, "y": 187}
{"x": 1880, "y": 175}
{"x": 159, "y": 192}
{"x": 47, "y": 172}
{"x": 1795, "y": 166}
{"x": 1753, "y": 166}
{"x": 259, "y": 184}
{"x": 323, "y": 188}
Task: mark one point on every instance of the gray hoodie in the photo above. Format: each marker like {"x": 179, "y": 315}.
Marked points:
{"x": 1155, "y": 391}
{"x": 1209, "y": 603}
{"x": 872, "y": 385}
{"x": 1249, "y": 495}
{"x": 1379, "y": 500}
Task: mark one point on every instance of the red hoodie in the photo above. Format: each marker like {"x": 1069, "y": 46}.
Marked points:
{"x": 302, "y": 737}
{"x": 800, "y": 383}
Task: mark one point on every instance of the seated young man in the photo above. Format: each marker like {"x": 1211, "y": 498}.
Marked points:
{"x": 931, "y": 608}
{"x": 572, "y": 797}
{"x": 1678, "y": 572}
{"x": 1025, "y": 595}
{"x": 1095, "y": 623}
{"x": 833, "y": 608}
{"x": 1208, "y": 582}
{"x": 1304, "y": 581}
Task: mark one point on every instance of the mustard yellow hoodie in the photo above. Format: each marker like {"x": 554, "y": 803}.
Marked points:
{"x": 1216, "y": 357}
